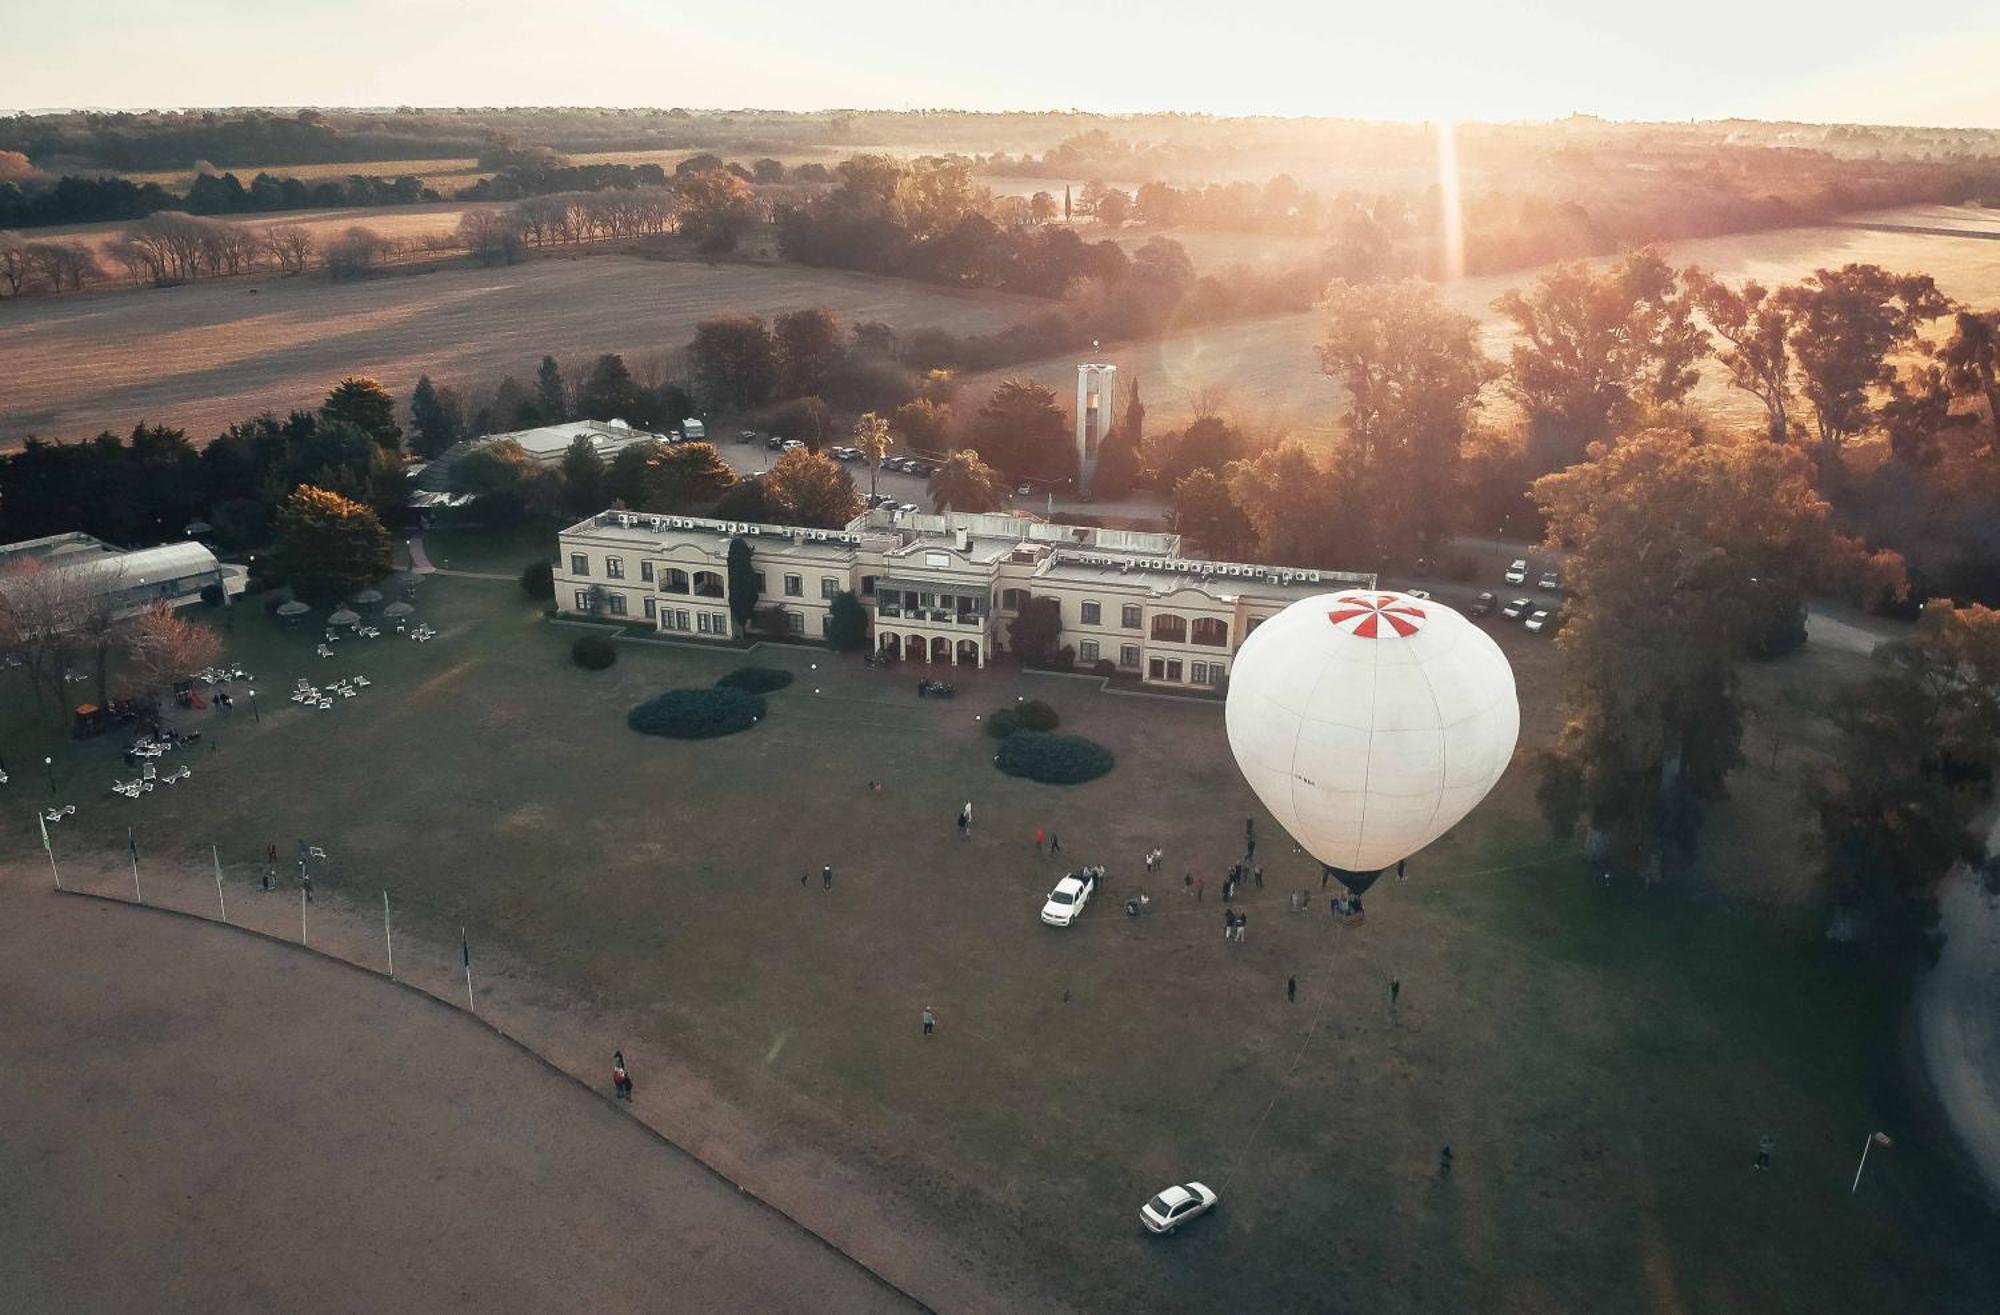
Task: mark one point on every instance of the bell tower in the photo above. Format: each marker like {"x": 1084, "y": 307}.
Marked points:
{"x": 1096, "y": 395}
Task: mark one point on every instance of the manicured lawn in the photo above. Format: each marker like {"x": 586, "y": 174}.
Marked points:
{"x": 1601, "y": 1059}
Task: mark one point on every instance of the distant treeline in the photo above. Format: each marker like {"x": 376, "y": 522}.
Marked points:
{"x": 93, "y": 200}
{"x": 151, "y": 141}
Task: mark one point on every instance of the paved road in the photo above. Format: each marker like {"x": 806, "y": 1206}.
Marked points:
{"x": 196, "y": 1119}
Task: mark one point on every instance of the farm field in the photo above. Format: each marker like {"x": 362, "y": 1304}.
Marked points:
{"x": 204, "y": 355}
{"x": 1269, "y": 375}
{"x": 1601, "y": 1059}
{"x": 399, "y": 223}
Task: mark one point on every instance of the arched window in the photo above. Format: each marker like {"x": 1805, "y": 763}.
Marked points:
{"x": 675, "y": 581}
{"x": 1169, "y": 628}
{"x": 707, "y": 584}
{"x": 1208, "y": 630}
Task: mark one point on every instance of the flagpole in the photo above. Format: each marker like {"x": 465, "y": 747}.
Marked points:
{"x": 302, "y": 915}
{"x": 388, "y": 936}
{"x": 47, "y": 848}
{"x": 466, "y": 946}
{"x": 133, "y": 845}
{"x": 223, "y": 904}
{"x": 1864, "y": 1163}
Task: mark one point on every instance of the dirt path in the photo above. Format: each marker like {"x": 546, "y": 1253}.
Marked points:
{"x": 1958, "y": 1019}
{"x": 203, "y": 1120}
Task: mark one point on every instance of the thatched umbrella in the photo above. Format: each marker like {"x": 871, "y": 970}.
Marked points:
{"x": 398, "y": 609}
{"x": 292, "y": 609}
{"x": 344, "y": 617}
{"x": 367, "y": 596}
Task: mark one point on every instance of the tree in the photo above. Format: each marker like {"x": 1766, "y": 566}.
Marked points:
{"x": 808, "y": 348}
{"x": 735, "y": 362}
{"x": 1208, "y": 443}
{"x": 492, "y": 236}
{"x": 609, "y": 393}
{"x": 1205, "y": 512}
{"x": 1412, "y": 371}
{"x": 715, "y": 208}
{"x": 685, "y": 477}
{"x": 847, "y": 622}
{"x": 1758, "y": 329}
{"x": 551, "y": 393}
{"x": 362, "y": 402}
{"x": 1023, "y": 431}
{"x": 1118, "y": 460}
{"x": 744, "y": 501}
{"x": 583, "y": 477}
{"x": 1294, "y": 505}
{"x": 1595, "y": 346}
{"x": 1041, "y": 208}
{"x": 1113, "y": 208}
{"x": 538, "y": 579}
{"x": 871, "y": 436}
{"x": 355, "y": 252}
{"x": 291, "y": 245}
{"x": 436, "y": 419}
{"x": 1971, "y": 360}
{"x": 1911, "y": 769}
{"x": 965, "y": 483}
{"x": 1035, "y": 630}
{"x": 806, "y": 488}
{"x": 166, "y": 647}
{"x": 329, "y": 546}
{"x": 1677, "y": 547}
{"x": 625, "y": 477}
{"x": 43, "y": 611}
{"x": 742, "y": 582}
{"x": 1845, "y": 325}
{"x": 925, "y": 424}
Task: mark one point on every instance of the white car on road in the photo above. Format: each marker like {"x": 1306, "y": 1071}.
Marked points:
{"x": 1066, "y": 901}
{"x": 1174, "y": 1206}
{"x": 1517, "y": 571}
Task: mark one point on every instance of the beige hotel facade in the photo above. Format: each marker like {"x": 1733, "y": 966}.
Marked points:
{"x": 940, "y": 589}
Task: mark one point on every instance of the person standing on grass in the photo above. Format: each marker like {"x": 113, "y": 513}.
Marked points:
{"x": 1199, "y": 883}
{"x": 826, "y": 877}
{"x": 1444, "y": 1161}
{"x": 1257, "y": 876}
{"x": 1187, "y": 882}
{"x": 1765, "y": 1145}
{"x": 1228, "y": 924}
{"x": 1055, "y": 843}
{"x": 1395, "y": 989}
{"x": 965, "y": 814}
{"x": 930, "y": 1021}
{"x": 621, "y": 1081}
{"x": 1242, "y": 926}
{"x": 1039, "y": 837}
{"x": 1291, "y": 990}
{"x": 1400, "y": 864}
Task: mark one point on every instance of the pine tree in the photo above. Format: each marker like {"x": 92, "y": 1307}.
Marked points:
{"x": 1118, "y": 461}
{"x": 434, "y": 419}
{"x": 550, "y": 394}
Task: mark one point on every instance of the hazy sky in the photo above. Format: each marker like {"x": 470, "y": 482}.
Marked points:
{"x": 1830, "y": 60}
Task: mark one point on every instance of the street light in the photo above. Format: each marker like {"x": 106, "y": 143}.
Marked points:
{"x": 255, "y": 711}
{"x": 49, "y": 763}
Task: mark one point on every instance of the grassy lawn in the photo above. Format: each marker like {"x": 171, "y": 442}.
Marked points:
{"x": 1601, "y": 1059}
{"x": 499, "y": 552}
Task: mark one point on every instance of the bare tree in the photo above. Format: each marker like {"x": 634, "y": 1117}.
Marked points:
{"x": 166, "y": 646}
{"x": 357, "y": 251}
{"x": 43, "y": 613}
{"x": 13, "y": 263}
{"x": 63, "y": 266}
{"x": 492, "y": 236}
{"x": 291, "y": 245}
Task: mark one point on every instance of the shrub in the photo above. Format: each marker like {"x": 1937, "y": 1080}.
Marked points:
{"x": 1037, "y": 716}
{"x": 593, "y": 652}
{"x": 696, "y": 714}
{"x": 274, "y": 600}
{"x": 538, "y": 580}
{"x": 756, "y": 680}
{"x": 1053, "y": 759}
{"x": 1003, "y": 723}
{"x": 1104, "y": 667}
{"x": 211, "y": 594}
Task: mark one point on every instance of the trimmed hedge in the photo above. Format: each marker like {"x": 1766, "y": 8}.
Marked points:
{"x": 756, "y": 680}
{"x": 1053, "y": 759}
{"x": 696, "y": 714}
{"x": 1038, "y": 716}
{"x": 593, "y": 652}
{"x": 1003, "y": 723}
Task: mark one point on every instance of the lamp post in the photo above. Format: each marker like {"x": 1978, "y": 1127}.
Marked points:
{"x": 255, "y": 711}
{"x": 49, "y": 763}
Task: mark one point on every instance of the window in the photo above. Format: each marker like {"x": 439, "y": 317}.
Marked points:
{"x": 673, "y": 618}
{"x": 1170, "y": 629}
{"x": 652, "y": 607}
{"x": 617, "y": 602}
{"x": 795, "y": 622}
{"x": 646, "y": 572}
{"x": 826, "y": 625}
{"x": 1251, "y": 627}
{"x": 828, "y": 586}
{"x": 762, "y": 587}
{"x": 1211, "y": 631}
{"x": 1011, "y": 599}
{"x": 614, "y": 568}
{"x": 1164, "y": 669}
{"x": 707, "y": 584}
{"x": 583, "y": 600}
{"x": 1086, "y": 650}
{"x": 867, "y": 586}
{"x": 1207, "y": 673}
{"x": 579, "y": 563}
{"x": 795, "y": 586}
{"x": 1128, "y": 617}
{"x": 712, "y": 623}
{"x": 676, "y": 581}
{"x": 1128, "y": 656}
{"x": 1092, "y": 613}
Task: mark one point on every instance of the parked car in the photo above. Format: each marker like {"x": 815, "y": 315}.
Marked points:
{"x": 774, "y": 442}
{"x": 1517, "y": 609}
{"x": 1484, "y": 604}
{"x": 1024, "y": 490}
{"x": 1517, "y": 571}
{"x": 793, "y": 444}
{"x": 1066, "y": 901}
{"x": 1176, "y": 1205}
{"x": 1545, "y": 621}
{"x": 1424, "y": 594}
{"x": 1550, "y": 580}
{"x": 746, "y": 436}
{"x": 906, "y": 507}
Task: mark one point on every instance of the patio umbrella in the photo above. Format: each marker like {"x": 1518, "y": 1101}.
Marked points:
{"x": 344, "y": 617}
{"x": 367, "y": 596}
{"x": 293, "y": 608}
{"x": 398, "y": 609}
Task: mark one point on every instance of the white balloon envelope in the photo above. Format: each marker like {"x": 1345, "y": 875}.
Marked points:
{"x": 1370, "y": 722}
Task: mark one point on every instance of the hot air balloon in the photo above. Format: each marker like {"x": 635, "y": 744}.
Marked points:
{"x": 1369, "y": 723}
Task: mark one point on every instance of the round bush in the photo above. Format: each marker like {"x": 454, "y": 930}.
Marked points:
{"x": 1038, "y": 716}
{"x": 211, "y": 595}
{"x": 1053, "y": 759}
{"x": 538, "y": 580}
{"x": 756, "y": 680}
{"x": 593, "y": 652}
{"x": 696, "y": 714}
{"x": 1003, "y": 723}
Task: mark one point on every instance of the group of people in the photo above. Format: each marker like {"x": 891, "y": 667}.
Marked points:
{"x": 1233, "y": 924}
